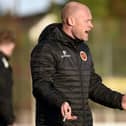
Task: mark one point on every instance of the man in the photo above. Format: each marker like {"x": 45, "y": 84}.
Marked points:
{"x": 6, "y": 48}
{"x": 63, "y": 74}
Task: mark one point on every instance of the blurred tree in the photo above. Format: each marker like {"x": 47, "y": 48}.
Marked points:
{"x": 103, "y": 8}
{"x": 117, "y": 8}
{"x": 99, "y": 8}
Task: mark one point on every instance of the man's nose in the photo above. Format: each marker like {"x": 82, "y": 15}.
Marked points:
{"x": 91, "y": 25}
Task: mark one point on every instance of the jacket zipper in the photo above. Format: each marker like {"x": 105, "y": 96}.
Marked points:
{"x": 81, "y": 82}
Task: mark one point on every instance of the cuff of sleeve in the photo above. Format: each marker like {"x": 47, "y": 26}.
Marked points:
{"x": 119, "y": 104}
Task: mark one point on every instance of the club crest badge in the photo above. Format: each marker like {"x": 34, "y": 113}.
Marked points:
{"x": 83, "y": 55}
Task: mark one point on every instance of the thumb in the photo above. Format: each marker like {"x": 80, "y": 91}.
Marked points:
{"x": 71, "y": 118}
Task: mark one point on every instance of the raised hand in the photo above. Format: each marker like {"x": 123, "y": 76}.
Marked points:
{"x": 124, "y": 102}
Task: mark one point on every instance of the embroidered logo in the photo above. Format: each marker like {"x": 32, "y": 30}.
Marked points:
{"x": 65, "y": 54}
{"x": 5, "y": 62}
{"x": 83, "y": 55}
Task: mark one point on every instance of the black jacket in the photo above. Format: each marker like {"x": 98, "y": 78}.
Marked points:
{"x": 6, "y": 82}
{"x": 62, "y": 70}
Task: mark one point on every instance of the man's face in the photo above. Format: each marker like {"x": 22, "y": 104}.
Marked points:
{"x": 83, "y": 25}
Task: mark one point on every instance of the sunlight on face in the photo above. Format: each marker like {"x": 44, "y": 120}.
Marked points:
{"x": 83, "y": 25}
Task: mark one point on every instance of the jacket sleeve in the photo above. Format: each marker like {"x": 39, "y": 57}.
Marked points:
{"x": 101, "y": 94}
{"x": 6, "y": 110}
{"x": 43, "y": 70}
{"x": 2, "y": 80}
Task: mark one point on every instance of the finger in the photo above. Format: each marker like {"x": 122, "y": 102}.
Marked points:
{"x": 67, "y": 109}
{"x": 62, "y": 110}
{"x": 72, "y": 118}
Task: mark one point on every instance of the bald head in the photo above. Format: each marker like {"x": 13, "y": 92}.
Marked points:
{"x": 77, "y": 20}
{"x": 73, "y": 9}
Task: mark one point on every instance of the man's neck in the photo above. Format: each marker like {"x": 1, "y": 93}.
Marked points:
{"x": 67, "y": 30}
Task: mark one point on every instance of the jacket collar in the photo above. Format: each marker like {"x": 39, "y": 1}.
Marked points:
{"x": 64, "y": 38}
{"x": 3, "y": 55}
{"x": 55, "y": 33}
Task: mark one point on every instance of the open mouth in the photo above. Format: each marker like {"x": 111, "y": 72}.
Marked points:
{"x": 86, "y": 32}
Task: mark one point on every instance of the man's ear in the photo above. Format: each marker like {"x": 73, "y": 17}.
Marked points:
{"x": 70, "y": 21}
